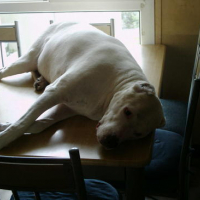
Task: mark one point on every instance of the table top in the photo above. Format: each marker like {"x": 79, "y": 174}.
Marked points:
{"x": 17, "y": 95}
{"x": 151, "y": 59}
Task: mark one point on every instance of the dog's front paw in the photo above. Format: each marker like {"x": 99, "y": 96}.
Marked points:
{"x": 40, "y": 83}
{"x": 4, "y": 126}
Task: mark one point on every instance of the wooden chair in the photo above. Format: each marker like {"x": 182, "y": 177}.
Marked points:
{"x": 51, "y": 178}
{"x": 9, "y": 33}
{"x": 108, "y": 28}
{"x": 168, "y": 172}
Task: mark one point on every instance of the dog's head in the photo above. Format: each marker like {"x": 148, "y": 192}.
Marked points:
{"x": 132, "y": 114}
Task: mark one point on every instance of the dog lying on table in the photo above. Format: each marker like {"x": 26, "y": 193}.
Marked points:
{"x": 91, "y": 74}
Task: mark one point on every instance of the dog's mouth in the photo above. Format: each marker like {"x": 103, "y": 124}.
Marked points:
{"x": 110, "y": 141}
{"x": 113, "y": 140}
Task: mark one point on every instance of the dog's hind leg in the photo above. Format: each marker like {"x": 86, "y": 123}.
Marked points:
{"x": 50, "y": 117}
{"x": 26, "y": 63}
{"x": 51, "y": 97}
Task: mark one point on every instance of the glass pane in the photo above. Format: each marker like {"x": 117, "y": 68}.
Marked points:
{"x": 1, "y": 64}
{"x": 130, "y": 28}
{"x": 127, "y": 24}
{"x": 31, "y": 25}
{"x": 9, "y": 52}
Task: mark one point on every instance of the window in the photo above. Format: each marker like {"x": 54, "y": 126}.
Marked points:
{"x": 8, "y": 53}
{"x": 146, "y": 8}
{"x": 134, "y": 19}
{"x": 126, "y": 24}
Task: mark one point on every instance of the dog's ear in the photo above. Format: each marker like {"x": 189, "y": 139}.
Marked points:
{"x": 144, "y": 88}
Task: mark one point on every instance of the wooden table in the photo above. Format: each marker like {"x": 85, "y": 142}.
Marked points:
{"x": 17, "y": 95}
{"x": 151, "y": 59}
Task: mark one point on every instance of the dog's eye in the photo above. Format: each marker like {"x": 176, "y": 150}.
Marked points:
{"x": 127, "y": 112}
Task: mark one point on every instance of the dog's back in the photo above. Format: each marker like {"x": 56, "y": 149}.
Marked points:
{"x": 66, "y": 47}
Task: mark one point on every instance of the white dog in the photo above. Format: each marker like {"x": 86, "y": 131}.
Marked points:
{"x": 90, "y": 74}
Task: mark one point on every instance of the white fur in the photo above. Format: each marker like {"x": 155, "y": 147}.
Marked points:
{"x": 90, "y": 74}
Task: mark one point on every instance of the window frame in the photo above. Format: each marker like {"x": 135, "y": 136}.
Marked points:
{"x": 146, "y": 8}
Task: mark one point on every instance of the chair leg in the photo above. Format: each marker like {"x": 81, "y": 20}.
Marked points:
{"x": 134, "y": 183}
{"x": 186, "y": 151}
{"x": 37, "y": 195}
{"x": 15, "y": 194}
{"x": 2, "y": 59}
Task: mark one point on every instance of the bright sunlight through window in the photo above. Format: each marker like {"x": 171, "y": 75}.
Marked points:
{"x": 126, "y": 28}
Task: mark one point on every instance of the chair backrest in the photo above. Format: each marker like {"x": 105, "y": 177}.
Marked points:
{"x": 196, "y": 72}
{"x": 41, "y": 174}
{"x": 194, "y": 94}
{"x": 10, "y": 33}
{"x": 194, "y": 98}
{"x": 108, "y": 28}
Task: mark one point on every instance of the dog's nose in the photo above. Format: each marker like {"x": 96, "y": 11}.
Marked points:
{"x": 110, "y": 141}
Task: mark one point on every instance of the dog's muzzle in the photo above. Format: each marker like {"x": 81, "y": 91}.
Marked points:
{"x": 110, "y": 141}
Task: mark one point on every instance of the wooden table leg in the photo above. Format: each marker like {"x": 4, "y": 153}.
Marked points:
{"x": 134, "y": 183}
